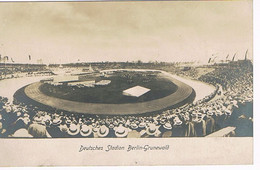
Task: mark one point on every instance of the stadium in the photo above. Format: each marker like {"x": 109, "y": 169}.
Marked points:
{"x": 144, "y": 100}
{"x": 126, "y": 70}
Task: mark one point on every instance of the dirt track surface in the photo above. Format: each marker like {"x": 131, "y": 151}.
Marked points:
{"x": 178, "y": 98}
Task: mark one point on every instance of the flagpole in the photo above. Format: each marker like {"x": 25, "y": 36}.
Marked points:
{"x": 28, "y": 66}
{"x": 5, "y": 68}
{"x": 12, "y": 64}
{"x": 246, "y": 54}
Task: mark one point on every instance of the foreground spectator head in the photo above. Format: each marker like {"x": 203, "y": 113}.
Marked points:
{"x": 73, "y": 129}
{"x": 133, "y": 134}
{"x": 8, "y": 109}
{"x": 152, "y": 129}
{"x": 63, "y": 128}
{"x": 167, "y": 126}
{"x": 102, "y": 131}
{"x": 85, "y": 130}
{"x": 56, "y": 121}
{"x": 121, "y": 131}
{"x": 37, "y": 130}
{"x": 21, "y": 133}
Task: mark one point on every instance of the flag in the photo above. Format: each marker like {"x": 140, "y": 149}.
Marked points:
{"x": 209, "y": 60}
{"x": 234, "y": 57}
{"x": 29, "y": 57}
{"x": 214, "y": 58}
{"x": 6, "y": 58}
{"x": 227, "y": 57}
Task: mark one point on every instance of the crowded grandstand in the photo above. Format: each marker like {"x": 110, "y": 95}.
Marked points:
{"x": 229, "y": 106}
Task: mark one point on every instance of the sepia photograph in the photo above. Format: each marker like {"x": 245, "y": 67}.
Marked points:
{"x": 103, "y": 74}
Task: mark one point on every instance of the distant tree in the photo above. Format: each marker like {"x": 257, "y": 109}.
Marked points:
{"x": 139, "y": 62}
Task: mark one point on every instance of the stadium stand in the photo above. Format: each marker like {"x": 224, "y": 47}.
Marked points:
{"x": 221, "y": 109}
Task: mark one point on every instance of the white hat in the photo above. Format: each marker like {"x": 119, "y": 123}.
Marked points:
{"x": 133, "y": 125}
{"x": 152, "y": 129}
{"x": 85, "y": 130}
{"x": 142, "y": 125}
{"x": 111, "y": 126}
{"x": 8, "y": 108}
{"x": 56, "y": 121}
{"x": 63, "y": 128}
{"x": 74, "y": 129}
{"x": 68, "y": 121}
{"x": 209, "y": 113}
{"x": 177, "y": 121}
{"x": 26, "y": 115}
{"x": 121, "y": 131}
{"x": 103, "y": 131}
{"x": 167, "y": 126}
{"x": 38, "y": 119}
{"x": 18, "y": 114}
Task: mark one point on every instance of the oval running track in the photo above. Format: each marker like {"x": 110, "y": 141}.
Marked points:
{"x": 177, "y": 98}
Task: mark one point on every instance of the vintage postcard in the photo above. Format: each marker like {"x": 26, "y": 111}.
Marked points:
{"x": 126, "y": 83}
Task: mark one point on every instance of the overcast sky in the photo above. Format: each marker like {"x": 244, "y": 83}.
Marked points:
{"x": 125, "y": 31}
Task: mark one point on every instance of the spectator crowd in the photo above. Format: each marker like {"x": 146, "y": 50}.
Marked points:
{"x": 234, "y": 89}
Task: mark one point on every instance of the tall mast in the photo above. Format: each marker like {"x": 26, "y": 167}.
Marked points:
{"x": 246, "y": 54}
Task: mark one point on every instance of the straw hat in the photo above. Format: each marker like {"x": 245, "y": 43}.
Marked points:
{"x": 73, "y": 129}
{"x": 186, "y": 118}
{"x": 209, "y": 113}
{"x": 115, "y": 123}
{"x": 8, "y": 108}
{"x": 199, "y": 117}
{"x": 95, "y": 128}
{"x": 142, "y": 125}
{"x": 121, "y": 131}
{"x": 18, "y": 114}
{"x": 108, "y": 121}
{"x": 103, "y": 131}
{"x": 167, "y": 126}
{"x": 151, "y": 129}
{"x": 133, "y": 125}
{"x": 26, "y": 115}
{"x": 55, "y": 115}
{"x": 56, "y": 121}
{"x": 156, "y": 122}
{"x": 177, "y": 121}
{"x": 111, "y": 126}
{"x": 38, "y": 119}
{"x": 63, "y": 128}
{"x": 219, "y": 113}
{"x": 68, "y": 121}
{"x": 163, "y": 121}
{"x": 85, "y": 130}
{"x": 228, "y": 112}
{"x": 102, "y": 122}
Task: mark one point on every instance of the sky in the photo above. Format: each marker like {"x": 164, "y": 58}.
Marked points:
{"x": 169, "y": 31}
